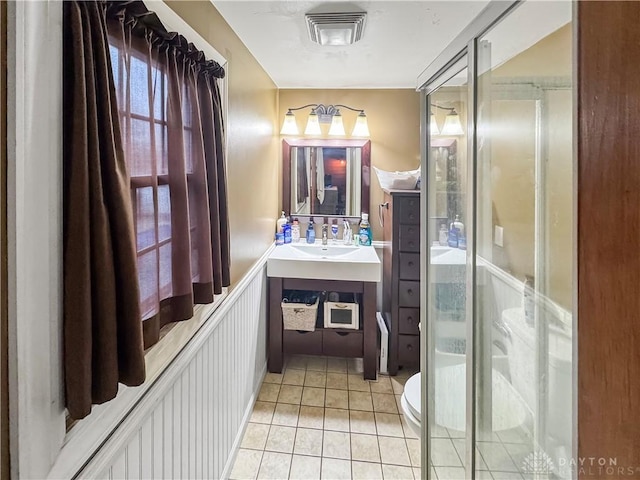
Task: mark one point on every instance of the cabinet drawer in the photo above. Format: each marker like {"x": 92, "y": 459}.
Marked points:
{"x": 408, "y": 319}
{"x": 409, "y": 294}
{"x": 408, "y": 350}
{"x": 409, "y": 238}
{"x": 410, "y": 266}
{"x": 410, "y": 209}
{"x": 300, "y": 342}
{"x": 342, "y": 344}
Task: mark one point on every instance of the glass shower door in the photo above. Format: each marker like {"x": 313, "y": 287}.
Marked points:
{"x": 447, "y": 276}
{"x": 523, "y": 252}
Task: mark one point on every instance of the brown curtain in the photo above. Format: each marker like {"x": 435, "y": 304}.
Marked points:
{"x": 170, "y": 112}
{"x": 168, "y": 210}
{"x": 102, "y": 330}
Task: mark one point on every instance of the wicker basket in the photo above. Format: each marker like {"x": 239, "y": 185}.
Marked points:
{"x": 299, "y": 316}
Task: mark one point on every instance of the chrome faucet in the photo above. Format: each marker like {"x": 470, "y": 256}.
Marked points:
{"x": 325, "y": 233}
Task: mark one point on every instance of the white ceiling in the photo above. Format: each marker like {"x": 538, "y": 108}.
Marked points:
{"x": 400, "y": 39}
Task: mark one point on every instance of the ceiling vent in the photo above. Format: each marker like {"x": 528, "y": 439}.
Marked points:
{"x": 336, "y": 28}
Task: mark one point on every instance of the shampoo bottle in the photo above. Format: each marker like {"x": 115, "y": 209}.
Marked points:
{"x": 280, "y": 223}
{"x": 365, "y": 230}
{"x": 295, "y": 231}
{"x": 311, "y": 232}
{"x": 286, "y": 228}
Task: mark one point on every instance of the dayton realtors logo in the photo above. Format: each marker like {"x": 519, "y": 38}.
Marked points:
{"x": 540, "y": 463}
{"x": 537, "y": 463}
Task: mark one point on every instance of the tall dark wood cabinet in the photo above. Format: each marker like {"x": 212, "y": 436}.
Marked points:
{"x": 401, "y": 277}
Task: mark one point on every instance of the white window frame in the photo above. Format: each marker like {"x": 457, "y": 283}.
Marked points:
{"x": 40, "y": 446}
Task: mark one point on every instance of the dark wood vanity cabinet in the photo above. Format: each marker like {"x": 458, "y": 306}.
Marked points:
{"x": 340, "y": 342}
{"x": 401, "y": 277}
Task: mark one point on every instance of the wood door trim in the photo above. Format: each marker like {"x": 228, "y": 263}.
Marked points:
{"x": 608, "y": 234}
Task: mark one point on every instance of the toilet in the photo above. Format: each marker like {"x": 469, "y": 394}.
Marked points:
{"x": 522, "y": 361}
{"x": 411, "y": 404}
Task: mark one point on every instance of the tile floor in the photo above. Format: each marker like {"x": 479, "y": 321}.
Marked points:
{"x": 320, "y": 420}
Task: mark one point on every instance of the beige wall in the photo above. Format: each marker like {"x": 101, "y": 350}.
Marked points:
{"x": 394, "y": 124}
{"x": 512, "y": 165}
{"x": 253, "y": 162}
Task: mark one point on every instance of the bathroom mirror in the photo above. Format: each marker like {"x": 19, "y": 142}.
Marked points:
{"x": 326, "y": 177}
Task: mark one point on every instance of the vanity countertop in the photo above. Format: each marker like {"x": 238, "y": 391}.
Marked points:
{"x": 324, "y": 262}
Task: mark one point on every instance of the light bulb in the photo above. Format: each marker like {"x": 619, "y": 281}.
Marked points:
{"x": 289, "y": 126}
{"x": 313, "y": 125}
{"x": 361, "y": 128}
{"x": 337, "y": 127}
{"x": 452, "y": 124}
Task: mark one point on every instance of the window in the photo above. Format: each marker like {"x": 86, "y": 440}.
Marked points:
{"x": 164, "y": 149}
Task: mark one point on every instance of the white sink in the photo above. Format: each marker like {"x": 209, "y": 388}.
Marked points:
{"x": 324, "y": 262}
{"x": 324, "y": 251}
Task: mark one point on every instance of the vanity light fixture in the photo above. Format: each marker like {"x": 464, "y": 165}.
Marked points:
{"x": 325, "y": 114}
{"x": 452, "y": 125}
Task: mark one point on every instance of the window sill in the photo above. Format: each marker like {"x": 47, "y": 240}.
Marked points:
{"x": 85, "y": 436}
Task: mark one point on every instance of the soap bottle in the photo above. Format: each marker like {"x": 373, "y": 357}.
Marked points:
{"x": 311, "y": 232}
{"x": 442, "y": 236}
{"x": 456, "y": 229}
{"x": 365, "y": 230}
{"x": 459, "y": 225}
{"x": 286, "y": 229}
{"x": 280, "y": 223}
{"x": 295, "y": 231}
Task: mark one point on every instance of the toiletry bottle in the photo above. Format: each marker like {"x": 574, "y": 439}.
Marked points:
{"x": 334, "y": 231}
{"x": 295, "y": 231}
{"x": 286, "y": 229}
{"x": 442, "y": 236}
{"x": 279, "y": 238}
{"x": 459, "y": 225}
{"x": 346, "y": 233}
{"x": 365, "y": 230}
{"x": 455, "y": 230}
{"x": 280, "y": 223}
{"x": 311, "y": 233}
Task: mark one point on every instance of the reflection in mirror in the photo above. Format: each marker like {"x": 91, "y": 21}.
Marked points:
{"x": 325, "y": 181}
{"x": 326, "y": 177}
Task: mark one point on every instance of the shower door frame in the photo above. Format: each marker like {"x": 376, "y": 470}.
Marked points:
{"x": 462, "y": 53}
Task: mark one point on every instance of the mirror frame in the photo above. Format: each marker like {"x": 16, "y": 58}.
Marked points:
{"x": 365, "y": 166}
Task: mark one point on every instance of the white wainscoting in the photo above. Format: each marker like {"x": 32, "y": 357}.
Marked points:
{"x": 191, "y": 421}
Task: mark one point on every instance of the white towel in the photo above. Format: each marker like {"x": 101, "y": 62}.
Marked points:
{"x": 320, "y": 175}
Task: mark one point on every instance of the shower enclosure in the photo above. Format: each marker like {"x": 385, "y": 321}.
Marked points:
{"x": 498, "y": 249}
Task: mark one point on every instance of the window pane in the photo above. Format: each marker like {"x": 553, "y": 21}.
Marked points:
{"x": 140, "y": 160}
{"x": 195, "y": 270}
{"x": 188, "y": 149}
{"x": 164, "y": 213}
{"x": 162, "y": 155}
{"x": 159, "y": 94}
{"x": 166, "y": 290}
{"x": 115, "y": 67}
{"x": 145, "y": 215}
{"x": 148, "y": 282}
{"x": 139, "y": 87}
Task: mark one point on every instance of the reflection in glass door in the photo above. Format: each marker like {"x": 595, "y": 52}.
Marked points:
{"x": 447, "y": 275}
{"x": 523, "y": 262}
